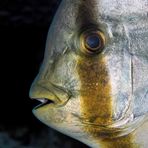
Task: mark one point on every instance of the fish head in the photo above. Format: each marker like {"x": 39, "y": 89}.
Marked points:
{"x": 93, "y": 79}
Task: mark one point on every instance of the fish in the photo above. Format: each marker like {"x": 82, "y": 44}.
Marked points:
{"x": 93, "y": 82}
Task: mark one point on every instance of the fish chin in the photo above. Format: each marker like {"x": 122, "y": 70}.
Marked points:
{"x": 73, "y": 125}
{"x": 60, "y": 119}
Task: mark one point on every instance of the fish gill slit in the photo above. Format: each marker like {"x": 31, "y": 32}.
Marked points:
{"x": 132, "y": 76}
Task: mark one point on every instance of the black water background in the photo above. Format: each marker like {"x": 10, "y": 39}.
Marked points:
{"x": 23, "y": 29}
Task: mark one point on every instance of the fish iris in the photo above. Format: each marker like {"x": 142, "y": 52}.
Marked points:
{"x": 93, "y": 41}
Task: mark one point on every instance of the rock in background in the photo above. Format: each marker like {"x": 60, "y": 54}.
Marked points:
{"x": 23, "y": 29}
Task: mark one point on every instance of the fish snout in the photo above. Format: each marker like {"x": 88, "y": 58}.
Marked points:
{"x": 49, "y": 93}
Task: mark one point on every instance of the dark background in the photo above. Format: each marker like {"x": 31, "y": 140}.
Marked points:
{"x": 23, "y": 30}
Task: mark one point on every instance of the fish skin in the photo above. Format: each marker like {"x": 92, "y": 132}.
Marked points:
{"x": 76, "y": 82}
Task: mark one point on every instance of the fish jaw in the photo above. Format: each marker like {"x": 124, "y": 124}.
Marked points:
{"x": 64, "y": 119}
{"x": 67, "y": 121}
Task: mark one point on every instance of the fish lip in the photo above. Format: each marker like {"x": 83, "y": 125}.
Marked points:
{"x": 43, "y": 102}
{"x": 54, "y": 94}
{"x": 46, "y": 101}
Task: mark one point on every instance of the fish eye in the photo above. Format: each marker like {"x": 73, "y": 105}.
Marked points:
{"x": 92, "y": 41}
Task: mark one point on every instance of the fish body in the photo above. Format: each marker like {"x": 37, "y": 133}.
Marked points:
{"x": 93, "y": 82}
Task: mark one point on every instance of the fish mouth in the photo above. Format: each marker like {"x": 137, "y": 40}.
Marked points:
{"x": 49, "y": 94}
{"x": 43, "y": 102}
{"x": 50, "y": 102}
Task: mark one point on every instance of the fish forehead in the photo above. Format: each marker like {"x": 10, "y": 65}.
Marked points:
{"x": 118, "y": 9}
{"x": 69, "y": 13}
{"x": 122, "y": 6}
{"x": 109, "y": 15}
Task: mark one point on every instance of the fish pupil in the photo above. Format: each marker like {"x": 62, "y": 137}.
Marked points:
{"x": 93, "y": 41}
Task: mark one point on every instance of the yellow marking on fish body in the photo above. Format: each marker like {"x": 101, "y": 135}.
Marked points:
{"x": 96, "y": 103}
{"x": 119, "y": 142}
